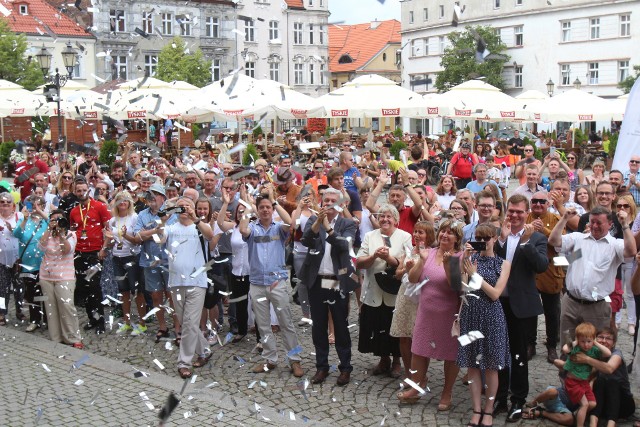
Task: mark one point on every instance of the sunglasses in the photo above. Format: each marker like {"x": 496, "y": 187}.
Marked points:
{"x": 483, "y": 238}
{"x": 623, "y": 206}
{"x": 538, "y": 201}
{"x": 571, "y": 158}
{"x": 634, "y": 161}
{"x": 285, "y": 156}
{"x": 528, "y": 151}
{"x": 67, "y": 177}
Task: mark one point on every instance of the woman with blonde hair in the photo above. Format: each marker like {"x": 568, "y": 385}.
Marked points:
{"x": 446, "y": 191}
{"x": 126, "y": 266}
{"x": 584, "y": 197}
{"x": 64, "y": 186}
{"x": 597, "y": 176}
{"x": 627, "y": 204}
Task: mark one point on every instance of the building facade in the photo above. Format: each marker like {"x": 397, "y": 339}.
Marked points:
{"x": 591, "y": 41}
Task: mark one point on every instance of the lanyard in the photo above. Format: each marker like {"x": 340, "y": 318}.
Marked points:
{"x": 84, "y": 217}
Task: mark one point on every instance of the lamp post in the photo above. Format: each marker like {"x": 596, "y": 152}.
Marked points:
{"x": 550, "y": 86}
{"x": 577, "y": 83}
{"x": 57, "y": 80}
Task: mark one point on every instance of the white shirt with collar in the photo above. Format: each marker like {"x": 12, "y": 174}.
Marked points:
{"x": 513, "y": 240}
{"x": 326, "y": 266}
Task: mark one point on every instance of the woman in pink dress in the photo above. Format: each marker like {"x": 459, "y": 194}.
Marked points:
{"x": 437, "y": 310}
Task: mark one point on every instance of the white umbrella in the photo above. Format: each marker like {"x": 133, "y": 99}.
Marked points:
{"x": 15, "y": 101}
{"x": 475, "y": 99}
{"x": 371, "y": 96}
{"x": 533, "y": 101}
{"x": 578, "y": 106}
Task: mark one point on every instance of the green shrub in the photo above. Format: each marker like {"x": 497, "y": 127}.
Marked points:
{"x": 396, "y": 147}
{"x": 398, "y": 132}
{"x": 251, "y": 150}
{"x": 5, "y": 151}
{"x": 257, "y": 131}
{"x": 613, "y": 144}
{"x": 108, "y": 152}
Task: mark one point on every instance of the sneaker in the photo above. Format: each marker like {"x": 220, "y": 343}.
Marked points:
{"x": 78, "y": 345}
{"x": 138, "y": 330}
{"x": 125, "y": 327}
{"x": 632, "y": 329}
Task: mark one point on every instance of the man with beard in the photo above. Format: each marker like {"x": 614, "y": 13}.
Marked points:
{"x": 26, "y": 169}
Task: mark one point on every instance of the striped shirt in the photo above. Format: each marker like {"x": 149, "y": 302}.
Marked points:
{"x": 55, "y": 265}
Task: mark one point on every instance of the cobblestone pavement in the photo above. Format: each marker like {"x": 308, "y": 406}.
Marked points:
{"x": 110, "y": 393}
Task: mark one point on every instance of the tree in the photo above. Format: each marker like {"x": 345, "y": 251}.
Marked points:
{"x": 176, "y": 62}
{"x": 459, "y": 60}
{"x": 628, "y": 83}
{"x": 15, "y": 65}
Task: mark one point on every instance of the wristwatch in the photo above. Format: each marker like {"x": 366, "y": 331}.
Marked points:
{"x": 196, "y": 221}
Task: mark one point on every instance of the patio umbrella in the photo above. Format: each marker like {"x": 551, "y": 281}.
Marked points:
{"x": 15, "y": 101}
{"x": 372, "y": 96}
{"x": 478, "y": 100}
{"x": 533, "y": 101}
{"x": 578, "y": 106}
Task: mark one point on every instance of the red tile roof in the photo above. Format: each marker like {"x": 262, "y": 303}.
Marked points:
{"x": 360, "y": 42}
{"x": 41, "y": 16}
{"x": 295, "y": 4}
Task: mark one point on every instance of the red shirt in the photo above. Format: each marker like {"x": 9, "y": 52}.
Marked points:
{"x": 26, "y": 185}
{"x": 462, "y": 166}
{"x": 96, "y": 216}
{"x": 407, "y": 220}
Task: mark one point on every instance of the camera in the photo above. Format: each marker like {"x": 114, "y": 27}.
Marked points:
{"x": 169, "y": 211}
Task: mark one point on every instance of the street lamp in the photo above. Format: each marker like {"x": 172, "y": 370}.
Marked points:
{"x": 577, "y": 83}
{"x": 57, "y": 81}
{"x": 550, "y": 86}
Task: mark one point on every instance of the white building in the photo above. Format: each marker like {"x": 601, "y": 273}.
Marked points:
{"x": 286, "y": 41}
{"x": 562, "y": 40}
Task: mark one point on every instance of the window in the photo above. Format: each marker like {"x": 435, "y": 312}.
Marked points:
{"x": 345, "y": 59}
{"x": 441, "y": 10}
{"x": 518, "y": 2}
{"x": 167, "y": 24}
{"x": 496, "y": 4}
{"x": 498, "y": 33}
{"x": 519, "y": 36}
{"x": 565, "y": 71}
{"x": 321, "y": 34}
{"x": 120, "y": 67}
{"x": 298, "y": 74}
{"x": 312, "y": 77}
{"x": 425, "y": 49}
{"x": 311, "y": 3}
{"x": 625, "y": 25}
{"x": 594, "y": 73}
{"x": 185, "y": 28}
{"x": 250, "y": 69}
{"x": 150, "y": 64}
{"x": 274, "y": 71}
{"x": 216, "y": 69}
{"x": 411, "y": 17}
{"x": 322, "y": 74}
{"x": 147, "y": 22}
{"x": 274, "y": 32}
{"x": 249, "y": 31}
{"x": 212, "y": 27}
{"x": 425, "y": 14}
{"x": 566, "y": 31}
{"x": 77, "y": 69}
{"x": 518, "y": 76}
{"x": 116, "y": 20}
{"x": 297, "y": 33}
{"x": 24, "y": 9}
{"x": 595, "y": 28}
{"x": 310, "y": 33}
{"x": 414, "y": 48}
{"x": 623, "y": 70}
{"x": 441, "y": 44}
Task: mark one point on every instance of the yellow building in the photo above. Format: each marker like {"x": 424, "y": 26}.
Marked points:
{"x": 359, "y": 49}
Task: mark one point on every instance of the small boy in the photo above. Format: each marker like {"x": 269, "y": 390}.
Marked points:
{"x": 494, "y": 173}
{"x": 577, "y": 381}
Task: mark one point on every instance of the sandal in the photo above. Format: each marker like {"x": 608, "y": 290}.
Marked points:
{"x": 3, "y": 321}
{"x": 470, "y": 424}
{"x": 162, "y": 333}
{"x": 396, "y": 370}
{"x": 382, "y": 368}
{"x": 486, "y": 414}
{"x": 201, "y": 361}
{"x": 533, "y": 413}
{"x": 178, "y": 338}
{"x": 185, "y": 373}
{"x": 332, "y": 339}
{"x": 408, "y": 396}
{"x": 442, "y": 407}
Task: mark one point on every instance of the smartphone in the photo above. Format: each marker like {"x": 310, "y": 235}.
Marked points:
{"x": 478, "y": 246}
{"x": 28, "y": 205}
{"x": 552, "y": 151}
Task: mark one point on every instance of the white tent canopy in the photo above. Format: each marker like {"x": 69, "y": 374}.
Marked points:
{"x": 18, "y": 102}
{"x": 477, "y": 100}
{"x": 579, "y": 106}
{"x": 372, "y": 96}
{"x": 533, "y": 101}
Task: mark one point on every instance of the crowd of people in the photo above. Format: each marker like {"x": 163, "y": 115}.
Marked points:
{"x": 458, "y": 272}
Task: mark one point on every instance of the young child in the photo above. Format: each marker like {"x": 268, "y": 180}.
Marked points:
{"x": 577, "y": 381}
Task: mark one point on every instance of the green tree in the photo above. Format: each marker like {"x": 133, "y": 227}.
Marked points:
{"x": 459, "y": 60}
{"x": 15, "y": 65}
{"x": 628, "y": 83}
{"x": 175, "y": 62}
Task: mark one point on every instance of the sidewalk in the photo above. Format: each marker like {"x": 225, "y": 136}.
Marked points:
{"x": 41, "y": 387}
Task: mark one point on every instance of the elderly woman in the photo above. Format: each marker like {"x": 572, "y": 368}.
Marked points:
{"x": 597, "y": 176}
{"x": 380, "y": 250}
{"x": 8, "y": 255}
{"x": 58, "y": 280}
{"x": 404, "y": 316}
{"x": 437, "y": 310}
{"x": 126, "y": 267}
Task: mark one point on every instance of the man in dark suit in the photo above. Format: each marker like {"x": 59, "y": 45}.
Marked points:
{"x": 526, "y": 249}
{"x": 330, "y": 276}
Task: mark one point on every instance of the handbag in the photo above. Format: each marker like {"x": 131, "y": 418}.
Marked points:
{"x": 387, "y": 281}
{"x": 455, "y": 328}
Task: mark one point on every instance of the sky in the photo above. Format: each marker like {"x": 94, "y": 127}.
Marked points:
{"x": 360, "y": 11}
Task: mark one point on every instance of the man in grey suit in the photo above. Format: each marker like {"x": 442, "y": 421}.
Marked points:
{"x": 330, "y": 275}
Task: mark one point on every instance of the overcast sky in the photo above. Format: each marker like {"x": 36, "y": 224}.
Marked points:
{"x": 360, "y": 11}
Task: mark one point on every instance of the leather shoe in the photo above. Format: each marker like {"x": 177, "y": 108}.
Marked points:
{"x": 100, "y": 329}
{"x": 320, "y": 376}
{"x": 344, "y": 378}
{"x": 296, "y": 369}
{"x": 499, "y": 407}
{"x": 89, "y": 326}
{"x": 515, "y": 413}
{"x": 531, "y": 351}
{"x": 552, "y": 354}
{"x": 263, "y": 367}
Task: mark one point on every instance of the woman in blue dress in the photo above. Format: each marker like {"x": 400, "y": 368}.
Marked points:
{"x": 482, "y": 312}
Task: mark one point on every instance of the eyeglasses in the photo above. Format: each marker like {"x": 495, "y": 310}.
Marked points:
{"x": 4, "y": 202}
{"x": 571, "y": 158}
{"x": 483, "y": 238}
{"x": 604, "y": 193}
{"x": 486, "y": 206}
{"x": 634, "y": 161}
{"x": 457, "y": 209}
{"x": 538, "y": 201}
{"x": 623, "y": 206}
{"x": 528, "y": 151}
{"x": 31, "y": 150}
{"x": 605, "y": 338}
{"x": 229, "y": 188}
{"x": 422, "y": 174}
